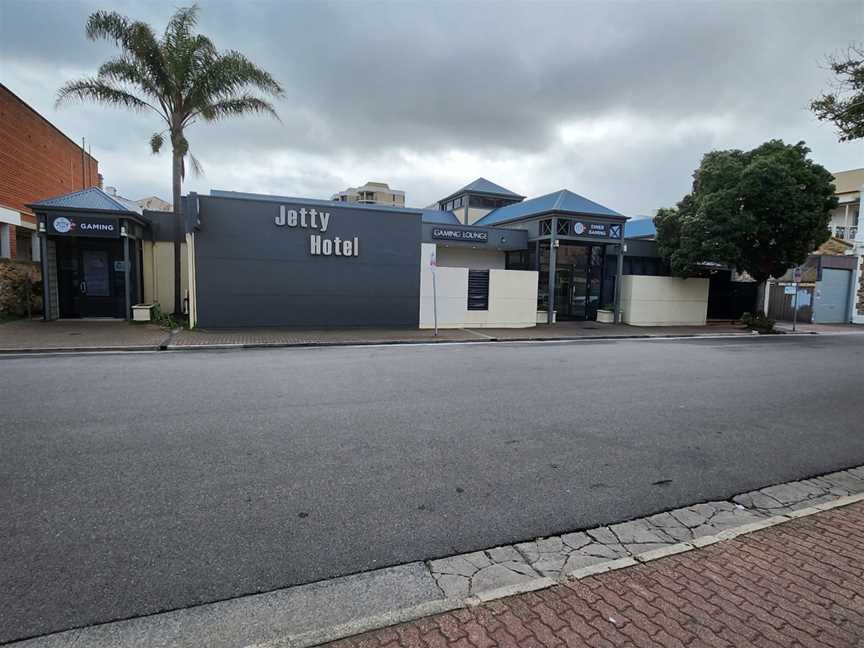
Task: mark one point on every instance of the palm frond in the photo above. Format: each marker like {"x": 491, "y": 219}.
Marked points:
{"x": 101, "y": 92}
{"x": 197, "y": 169}
{"x": 227, "y": 75}
{"x": 136, "y": 39}
{"x": 242, "y": 105}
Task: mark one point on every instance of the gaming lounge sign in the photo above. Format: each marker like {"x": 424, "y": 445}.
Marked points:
{"x": 319, "y": 221}
{"x": 70, "y": 225}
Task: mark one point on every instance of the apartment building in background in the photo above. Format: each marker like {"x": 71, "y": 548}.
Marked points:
{"x": 37, "y": 161}
{"x": 371, "y": 193}
{"x": 845, "y": 219}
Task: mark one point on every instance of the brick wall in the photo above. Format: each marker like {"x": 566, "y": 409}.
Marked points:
{"x": 37, "y": 161}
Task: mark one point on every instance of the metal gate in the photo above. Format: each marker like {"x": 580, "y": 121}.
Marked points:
{"x": 831, "y": 305}
{"x": 780, "y": 305}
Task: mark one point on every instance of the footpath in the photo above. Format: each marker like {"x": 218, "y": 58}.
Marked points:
{"x": 36, "y": 336}
{"x": 799, "y": 584}
{"x": 778, "y": 567}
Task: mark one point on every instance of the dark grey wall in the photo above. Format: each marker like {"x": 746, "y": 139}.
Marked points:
{"x": 252, "y": 273}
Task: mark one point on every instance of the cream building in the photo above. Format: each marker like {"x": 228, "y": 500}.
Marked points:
{"x": 845, "y": 219}
{"x": 371, "y": 193}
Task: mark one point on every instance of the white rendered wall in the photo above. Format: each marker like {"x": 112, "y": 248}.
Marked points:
{"x": 466, "y": 257}
{"x": 663, "y": 301}
{"x": 512, "y": 297}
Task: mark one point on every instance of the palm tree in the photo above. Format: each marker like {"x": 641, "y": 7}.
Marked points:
{"x": 182, "y": 78}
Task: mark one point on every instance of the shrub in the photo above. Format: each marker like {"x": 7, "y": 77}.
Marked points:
{"x": 20, "y": 291}
{"x": 758, "y": 322}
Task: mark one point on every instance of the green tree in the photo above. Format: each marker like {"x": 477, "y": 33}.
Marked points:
{"x": 845, "y": 105}
{"x": 761, "y": 211}
{"x": 181, "y": 77}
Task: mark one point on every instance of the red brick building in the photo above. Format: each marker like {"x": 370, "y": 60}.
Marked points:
{"x": 37, "y": 161}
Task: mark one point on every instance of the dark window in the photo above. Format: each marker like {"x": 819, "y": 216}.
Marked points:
{"x": 545, "y": 227}
{"x": 517, "y": 260}
{"x": 563, "y": 227}
{"x": 478, "y": 290}
{"x": 484, "y": 202}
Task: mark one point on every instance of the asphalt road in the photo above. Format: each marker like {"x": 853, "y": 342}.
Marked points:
{"x": 132, "y": 484}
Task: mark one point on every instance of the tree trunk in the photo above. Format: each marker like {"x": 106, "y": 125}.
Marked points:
{"x": 179, "y": 232}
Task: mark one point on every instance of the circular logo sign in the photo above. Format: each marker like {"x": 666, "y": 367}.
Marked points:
{"x": 62, "y": 224}
{"x": 579, "y": 228}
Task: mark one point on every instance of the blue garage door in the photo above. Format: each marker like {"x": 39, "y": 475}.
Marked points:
{"x": 831, "y": 303}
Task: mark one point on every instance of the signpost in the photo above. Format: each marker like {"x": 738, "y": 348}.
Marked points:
{"x": 433, "y": 263}
{"x": 796, "y": 278}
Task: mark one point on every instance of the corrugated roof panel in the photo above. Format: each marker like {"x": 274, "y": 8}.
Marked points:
{"x": 562, "y": 201}
{"x": 91, "y": 198}
{"x": 640, "y": 227}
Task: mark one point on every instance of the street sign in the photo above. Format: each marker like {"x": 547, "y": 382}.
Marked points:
{"x": 788, "y": 290}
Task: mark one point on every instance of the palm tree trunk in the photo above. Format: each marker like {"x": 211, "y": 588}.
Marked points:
{"x": 179, "y": 233}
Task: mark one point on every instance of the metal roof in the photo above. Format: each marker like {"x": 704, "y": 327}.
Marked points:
{"x": 92, "y": 198}
{"x": 482, "y": 185}
{"x": 640, "y": 227}
{"x": 558, "y": 201}
{"x": 427, "y": 215}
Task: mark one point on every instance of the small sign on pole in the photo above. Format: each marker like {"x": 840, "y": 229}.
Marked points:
{"x": 796, "y": 277}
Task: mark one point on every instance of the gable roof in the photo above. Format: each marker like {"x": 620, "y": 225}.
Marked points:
{"x": 92, "y": 198}
{"x": 557, "y": 201}
{"x": 640, "y": 227}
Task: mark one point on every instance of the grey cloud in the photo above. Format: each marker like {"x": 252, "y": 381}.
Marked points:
{"x": 493, "y": 81}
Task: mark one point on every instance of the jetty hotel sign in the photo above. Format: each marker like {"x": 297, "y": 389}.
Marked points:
{"x": 316, "y": 220}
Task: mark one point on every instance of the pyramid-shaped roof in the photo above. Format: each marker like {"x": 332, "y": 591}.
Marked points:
{"x": 557, "y": 201}
{"x": 92, "y": 198}
{"x": 484, "y": 186}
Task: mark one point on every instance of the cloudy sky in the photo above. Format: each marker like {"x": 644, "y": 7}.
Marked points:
{"x": 614, "y": 100}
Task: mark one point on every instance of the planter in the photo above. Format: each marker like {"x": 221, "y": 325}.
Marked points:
{"x": 605, "y": 316}
{"x": 543, "y": 317}
{"x": 142, "y": 312}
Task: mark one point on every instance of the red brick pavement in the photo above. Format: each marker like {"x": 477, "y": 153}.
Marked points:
{"x": 797, "y": 584}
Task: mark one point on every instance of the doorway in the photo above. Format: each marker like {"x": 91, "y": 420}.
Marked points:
{"x": 90, "y": 278}
{"x": 578, "y": 280}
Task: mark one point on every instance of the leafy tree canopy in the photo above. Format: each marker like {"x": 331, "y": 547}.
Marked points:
{"x": 761, "y": 212}
{"x": 845, "y": 104}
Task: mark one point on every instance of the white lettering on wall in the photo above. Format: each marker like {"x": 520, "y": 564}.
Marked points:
{"x": 306, "y": 218}
{"x": 317, "y": 220}
{"x": 319, "y": 246}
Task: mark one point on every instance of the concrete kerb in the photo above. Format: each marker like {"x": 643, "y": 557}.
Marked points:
{"x": 167, "y": 346}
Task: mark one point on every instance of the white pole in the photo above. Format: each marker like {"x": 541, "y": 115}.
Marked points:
{"x": 434, "y": 301}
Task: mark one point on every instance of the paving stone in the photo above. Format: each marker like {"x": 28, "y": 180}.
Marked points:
{"x": 500, "y": 575}
{"x": 846, "y": 480}
{"x": 479, "y": 559}
{"x": 794, "y": 493}
{"x": 670, "y": 526}
{"x": 639, "y": 532}
{"x": 578, "y": 560}
{"x": 503, "y": 554}
{"x": 603, "y": 535}
{"x": 453, "y": 586}
{"x": 454, "y": 565}
{"x": 576, "y": 540}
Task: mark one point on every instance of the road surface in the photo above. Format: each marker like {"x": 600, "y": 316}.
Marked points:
{"x": 137, "y": 483}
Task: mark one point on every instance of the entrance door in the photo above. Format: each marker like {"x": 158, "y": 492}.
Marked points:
{"x": 88, "y": 278}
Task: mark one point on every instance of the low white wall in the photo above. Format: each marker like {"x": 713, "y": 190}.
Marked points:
{"x": 663, "y": 301}
{"x": 512, "y": 297}
{"x": 466, "y": 257}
